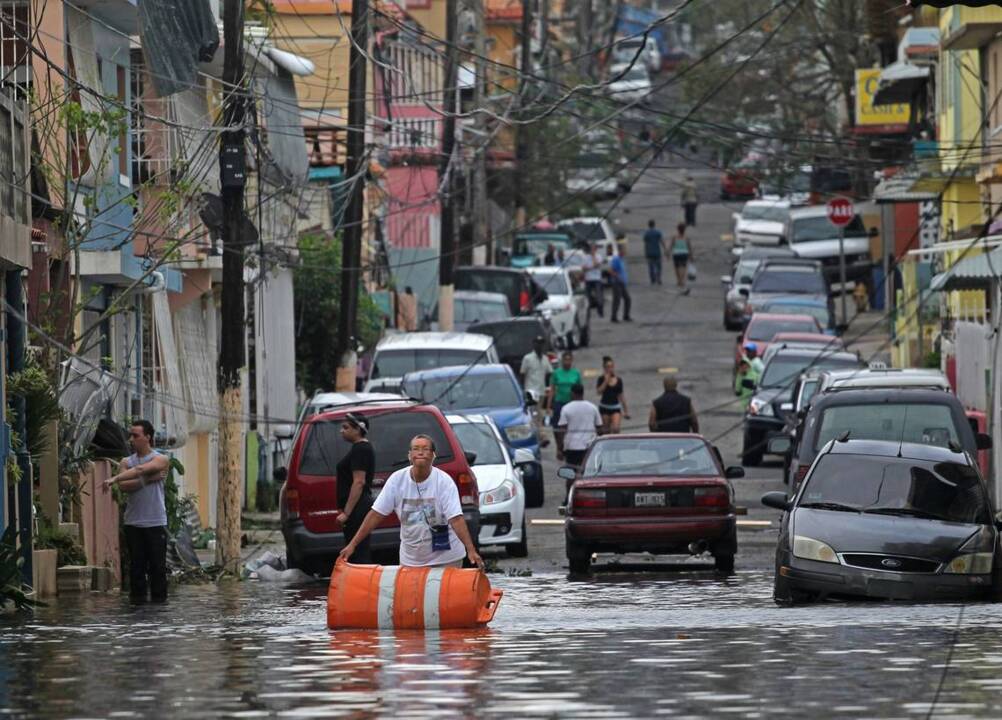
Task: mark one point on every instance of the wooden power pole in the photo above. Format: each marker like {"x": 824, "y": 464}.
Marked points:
{"x": 481, "y": 222}
{"x": 522, "y": 142}
{"x": 447, "y": 173}
{"x": 232, "y": 356}
{"x": 351, "y": 236}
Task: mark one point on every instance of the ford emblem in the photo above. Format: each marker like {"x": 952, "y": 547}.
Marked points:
{"x": 890, "y": 563}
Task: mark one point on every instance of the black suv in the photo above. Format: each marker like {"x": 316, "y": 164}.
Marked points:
{"x": 513, "y": 338}
{"x": 523, "y": 293}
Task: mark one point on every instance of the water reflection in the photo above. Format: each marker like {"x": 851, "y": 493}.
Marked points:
{"x": 617, "y": 645}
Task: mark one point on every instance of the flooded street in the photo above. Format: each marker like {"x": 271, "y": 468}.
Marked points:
{"x": 619, "y": 645}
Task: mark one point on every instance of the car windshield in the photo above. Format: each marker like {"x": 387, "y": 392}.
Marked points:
{"x": 819, "y": 228}
{"x": 651, "y": 456}
{"x": 947, "y": 491}
{"x": 635, "y": 74}
{"x": 462, "y": 392}
{"x": 818, "y": 312}
{"x": 745, "y": 271}
{"x": 397, "y": 363}
{"x": 479, "y": 438}
{"x": 790, "y": 280}
{"x": 554, "y": 283}
{"x": 324, "y": 447}
{"x": 468, "y": 310}
{"x": 507, "y": 283}
{"x": 765, "y": 212}
{"x": 926, "y": 423}
{"x": 782, "y": 370}
{"x": 586, "y": 230}
{"x": 539, "y": 245}
{"x": 510, "y": 338}
{"x": 766, "y": 330}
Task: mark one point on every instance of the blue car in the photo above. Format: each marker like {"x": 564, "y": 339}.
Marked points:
{"x": 820, "y": 310}
{"x": 491, "y": 390}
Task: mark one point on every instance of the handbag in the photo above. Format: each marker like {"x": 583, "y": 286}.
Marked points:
{"x": 691, "y": 271}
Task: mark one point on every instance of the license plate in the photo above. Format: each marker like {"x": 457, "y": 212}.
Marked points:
{"x": 649, "y": 499}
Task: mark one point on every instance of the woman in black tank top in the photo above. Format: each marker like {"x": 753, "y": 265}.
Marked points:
{"x": 612, "y": 400}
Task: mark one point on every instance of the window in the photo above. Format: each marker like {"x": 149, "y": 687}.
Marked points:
{"x": 469, "y": 310}
{"x": 766, "y": 330}
{"x": 654, "y": 456}
{"x": 782, "y": 370}
{"x": 324, "y": 446}
{"x": 790, "y": 280}
{"x": 819, "y": 228}
{"x": 465, "y": 392}
{"x": 479, "y": 438}
{"x": 928, "y": 424}
{"x": 397, "y": 363}
{"x": 818, "y": 312}
{"x": 15, "y": 57}
{"x": 765, "y": 212}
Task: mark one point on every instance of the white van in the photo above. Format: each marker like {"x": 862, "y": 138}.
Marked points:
{"x": 397, "y": 355}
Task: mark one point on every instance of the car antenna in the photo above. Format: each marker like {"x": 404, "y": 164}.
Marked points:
{"x": 844, "y": 437}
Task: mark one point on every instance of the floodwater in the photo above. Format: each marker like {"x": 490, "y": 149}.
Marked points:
{"x": 681, "y": 644}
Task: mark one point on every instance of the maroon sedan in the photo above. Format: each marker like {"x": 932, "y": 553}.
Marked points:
{"x": 662, "y": 493}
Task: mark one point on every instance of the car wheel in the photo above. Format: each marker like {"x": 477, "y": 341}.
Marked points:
{"x": 729, "y": 324}
{"x": 574, "y": 337}
{"x": 578, "y": 558}
{"x": 724, "y": 564}
{"x": 783, "y": 594}
{"x": 521, "y": 548}
{"x": 724, "y": 196}
{"x": 751, "y": 454}
{"x": 585, "y": 335}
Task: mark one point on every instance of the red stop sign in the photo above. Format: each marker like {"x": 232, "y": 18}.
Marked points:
{"x": 840, "y": 211}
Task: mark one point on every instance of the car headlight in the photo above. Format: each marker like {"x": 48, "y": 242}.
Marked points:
{"x": 760, "y": 407}
{"x": 975, "y": 557}
{"x": 811, "y": 549}
{"x": 518, "y": 433}
{"x": 502, "y": 493}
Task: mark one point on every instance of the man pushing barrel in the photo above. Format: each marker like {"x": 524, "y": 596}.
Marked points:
{"x": 433, "y": 531}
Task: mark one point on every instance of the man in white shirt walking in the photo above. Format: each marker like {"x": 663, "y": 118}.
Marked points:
{"x": 433, "y": 531}
{"x": 593, "y": 266}
{"x": 579, "y": 424}
{"x": 534, "y": 372}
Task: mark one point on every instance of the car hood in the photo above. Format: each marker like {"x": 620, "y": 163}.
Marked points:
{"x": 760, "y": 227}
{"x": 490, "y": 476}
{"x": 503, "y": 417}
{"x": 771, "y": 395}
{"x": 868, "y": 533}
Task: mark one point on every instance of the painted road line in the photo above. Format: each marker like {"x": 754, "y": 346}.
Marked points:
{"x": 590, "y": 373}
{"x": 727, "y": 237}
{"x": 547, "y": 521}
{"x": 741, "y": 523}
{"x": 667, "y": 370}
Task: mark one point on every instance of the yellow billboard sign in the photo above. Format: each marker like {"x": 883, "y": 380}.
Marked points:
{"x": 868, "y": 114}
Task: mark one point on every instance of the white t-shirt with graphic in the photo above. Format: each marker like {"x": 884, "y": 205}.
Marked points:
{"x": 420, "y": 506}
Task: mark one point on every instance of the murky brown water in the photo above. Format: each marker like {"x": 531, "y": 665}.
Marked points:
{"x": 689, "y": 645}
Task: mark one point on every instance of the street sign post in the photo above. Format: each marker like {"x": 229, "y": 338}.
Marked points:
{"x": 840, "y": 214}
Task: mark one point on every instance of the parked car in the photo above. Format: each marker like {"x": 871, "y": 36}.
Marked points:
{"x": 529, "y": 248}
{"x": 515, "y": 284}
{"x": 491, "y": 390}
{"x": 327, "y": 401}
{"x": 801, "y": 341}
{"x": 397, "y": 355}
{"x": 740, "y": 279}
{"x": 588, "y": 230}
{"x": 811, "y": 235}
{"x": 628, "y": 82}
{"x": 503, "y": 496}
{"x": 513, "y": 338}
{"x": 760, "y": 222}
{"x": 661, "y": 493}
{"x": 918, "y": 415}
{"x": 890, "y": 520}
{"x": 783, "y": 277}
{"x": 739, "y": 182}
{"x": 566, "y": 306}
{"x": 470, "y": 306}
{"x": 820, "y": 308}
{"x": 640, "y": 49}
{"x": 308, "y": 499}
{"x": 793, "y": 188}
{"x": 763, "y": 327}
{"x": 766, "y": 415}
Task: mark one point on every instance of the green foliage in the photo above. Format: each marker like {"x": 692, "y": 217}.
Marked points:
{"x": 50, "y": 537}
{"x": 11, "y": 587}
{"x": 174, "y": 505}
{"x": 317, "y": 302}
{"x": 41, "y": 406}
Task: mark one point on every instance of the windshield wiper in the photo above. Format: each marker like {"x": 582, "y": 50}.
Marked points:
{"x": 839, "y": 507}
{"x": 906, "y": 512}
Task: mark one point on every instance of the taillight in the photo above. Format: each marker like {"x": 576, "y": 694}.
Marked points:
{"x": 711, "y": 497}
{"x": 291, "y": 504}
{"x": 552, "y": 357}
{"x": 523, "y": 301}
{"x": 801, "y": 474}
{"x": 468, "y": 494}
{"x": 586, "y": 498}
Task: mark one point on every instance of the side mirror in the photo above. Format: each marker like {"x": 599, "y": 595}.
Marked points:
{"x": 523, "y": 456}
{"x": 782, "y": 239}
{"x": 567, "y": 473}
{"x": 983, "y": 441}
{"x": 283, "y": 432}
{"x": 471, "y": 457}
{"x": 280, "y": 474}
{"x": 726, "y": 279}
{"x": 841, "y": 328}
{"x": 734, "y": 472}
{"x": 744, "y": 292}
{"x": 779, "y": 445}
{"x": 748, "y": 384}
{"x": 777, "y": 500}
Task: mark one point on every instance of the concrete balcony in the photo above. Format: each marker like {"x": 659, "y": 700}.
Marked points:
{"x": 122, "y": 15}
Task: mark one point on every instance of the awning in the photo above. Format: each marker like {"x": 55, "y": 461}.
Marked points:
{"x": 972, "y": 35}
{"x": 940, "y": 180}
{"x": 990, "y": 241}
{"x": 898, "y": 83}
{"x": 898, "y": 189}
{"x": 971, "y": 273}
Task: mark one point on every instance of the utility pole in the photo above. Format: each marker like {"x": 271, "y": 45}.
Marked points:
{"x": 522, "y": 143}
{"x": 351, "y": 237}
{"x": 447, "y": 173}
{"x": 232, "y": 175}
{"x": 481, "y": 223}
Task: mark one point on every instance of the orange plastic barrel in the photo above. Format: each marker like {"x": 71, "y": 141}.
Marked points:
{"x": 377, "y": 596}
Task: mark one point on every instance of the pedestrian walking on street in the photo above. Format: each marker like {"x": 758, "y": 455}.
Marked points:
{"x": 612, "y": 400}
{"x": 534, "y": 373}
{"x": 141, "y": 477}
{"x": 689, "y": 200}
{"x": 433, "y": 531}
{"x": 593, "y": 267}
{"x": 354, "y": 483}
{"x": 618, "y": 279}
{"x": 672, "y": 411}
{"x": 580, "y": 423}
{"x": 681, "y": 255}
{"x": 562, "y": 380}
{"x": 653, "y": 244}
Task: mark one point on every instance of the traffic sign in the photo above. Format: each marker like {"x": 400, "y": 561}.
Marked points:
{"x": 840, "y": 211}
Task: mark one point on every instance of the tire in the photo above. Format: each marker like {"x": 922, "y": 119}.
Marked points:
{"x": 783, "y": 594}
{"x": 520, "y": 549}
{"x": 574, "y": 337}
{"x": 728, "y": 325}
{"x": 752, "y": 452}
{"x": 584, "y": 337}
{"x": 724, "y": 564}
{"x": 578, "y": 558}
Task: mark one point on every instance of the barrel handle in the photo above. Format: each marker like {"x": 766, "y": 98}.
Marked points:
{"x": 487, "y": 611}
